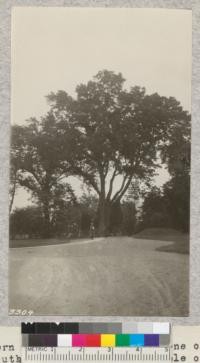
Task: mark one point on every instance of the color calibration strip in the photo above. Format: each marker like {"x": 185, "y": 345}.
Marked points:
{"x": 95, "y": 340}
{"x": 95, "y": 334}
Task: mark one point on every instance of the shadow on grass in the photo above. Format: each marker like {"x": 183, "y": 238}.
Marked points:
{"x": 180, "y": 241}
{"x": 181, "y": 246}
{"x": 34, "y": 242}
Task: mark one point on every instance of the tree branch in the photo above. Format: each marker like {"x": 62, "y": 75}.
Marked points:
{"x": 120, "y": 190}
{"x": 111, "y": 184}
{"x": 125, "y": 187}
{"x": 87, "y": 177}
{"x": 107, "y": 168}
{"x": 32, "y": 172}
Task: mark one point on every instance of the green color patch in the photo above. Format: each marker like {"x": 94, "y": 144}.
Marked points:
{"x": 122, "y": 340}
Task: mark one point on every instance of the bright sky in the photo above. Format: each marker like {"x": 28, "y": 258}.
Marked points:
{"x": 57, "y": 48}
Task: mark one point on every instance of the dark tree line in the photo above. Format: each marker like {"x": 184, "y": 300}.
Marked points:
{"x": 104, "y": 133}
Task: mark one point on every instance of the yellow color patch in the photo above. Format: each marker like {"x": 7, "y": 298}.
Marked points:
{"x": 107, "y": 340}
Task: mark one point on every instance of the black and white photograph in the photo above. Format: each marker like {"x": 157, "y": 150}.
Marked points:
{"x": 100, "y": 161}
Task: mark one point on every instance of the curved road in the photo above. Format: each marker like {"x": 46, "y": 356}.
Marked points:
{"x": 104, "y": 276}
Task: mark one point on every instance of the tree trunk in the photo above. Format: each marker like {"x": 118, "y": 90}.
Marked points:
{"x": 47, "y": 223}
{"x": 13, "y": 192}
{"x": 104, "y": 209}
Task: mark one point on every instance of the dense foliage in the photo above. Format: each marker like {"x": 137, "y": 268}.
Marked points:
{"x": 112, "y": 139}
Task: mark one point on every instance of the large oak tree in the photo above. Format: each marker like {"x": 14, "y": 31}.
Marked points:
{"x": 114, "y": 133}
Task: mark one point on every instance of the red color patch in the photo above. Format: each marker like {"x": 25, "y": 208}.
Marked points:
{"x": 93, "y": 340}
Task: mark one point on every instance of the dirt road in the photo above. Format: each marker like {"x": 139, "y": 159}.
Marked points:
{"x": 104, "y": 276}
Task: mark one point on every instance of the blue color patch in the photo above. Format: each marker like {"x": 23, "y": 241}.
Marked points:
{"x": 151, "y": 340}
{"x": 136, "y": 340}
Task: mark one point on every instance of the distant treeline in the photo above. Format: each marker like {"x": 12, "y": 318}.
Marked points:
{"x": 169, "y": 207}
{"x": 72, "y": 221}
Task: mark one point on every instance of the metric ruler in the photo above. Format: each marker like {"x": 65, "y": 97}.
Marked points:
{"x": 54, "y": 355}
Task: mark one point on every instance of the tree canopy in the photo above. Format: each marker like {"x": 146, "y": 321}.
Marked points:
{"x": 108, "y": 136}
{"x": 36, "y": 164}
{"x": 117, "y": 132}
